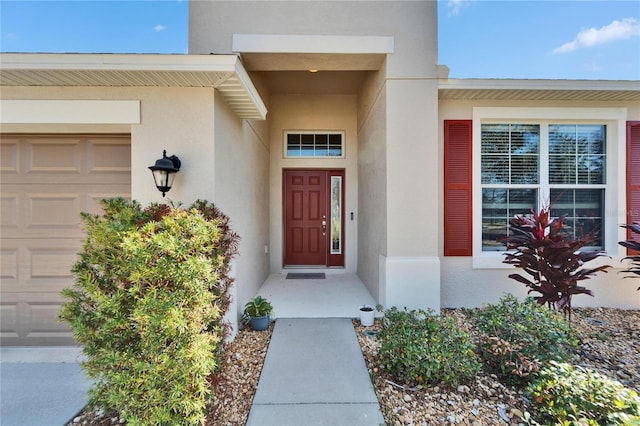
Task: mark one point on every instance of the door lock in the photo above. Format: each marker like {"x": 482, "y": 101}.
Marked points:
{"x": 324, "y": 226}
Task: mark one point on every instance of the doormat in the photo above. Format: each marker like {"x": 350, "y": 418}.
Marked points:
{"x": 306, "y": 276}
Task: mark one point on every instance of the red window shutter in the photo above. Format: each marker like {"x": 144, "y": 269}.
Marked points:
{"x": 633, "y": 176}
{"x": 457, "y": 188}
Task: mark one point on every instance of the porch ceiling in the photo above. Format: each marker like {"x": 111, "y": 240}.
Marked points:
{"x": 547, "y": 90}
{"x": 222, "y": 72}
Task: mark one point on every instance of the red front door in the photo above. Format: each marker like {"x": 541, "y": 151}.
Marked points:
{"x": 307, "y": 227}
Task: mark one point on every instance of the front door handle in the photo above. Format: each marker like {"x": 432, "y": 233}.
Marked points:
{"x": 324, "y": 226}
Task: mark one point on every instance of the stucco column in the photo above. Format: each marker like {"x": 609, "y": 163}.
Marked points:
{"x": 411, "y": 268}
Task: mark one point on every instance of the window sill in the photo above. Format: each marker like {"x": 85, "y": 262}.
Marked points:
{"x": 494, "y": 260}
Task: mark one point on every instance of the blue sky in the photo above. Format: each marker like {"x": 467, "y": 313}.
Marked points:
{"x": 576, "y": 39}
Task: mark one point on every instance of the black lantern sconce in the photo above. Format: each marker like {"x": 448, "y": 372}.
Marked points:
{"x": 164, "y": 171}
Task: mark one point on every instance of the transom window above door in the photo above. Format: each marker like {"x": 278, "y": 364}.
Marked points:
{"x": 301, "y": 144}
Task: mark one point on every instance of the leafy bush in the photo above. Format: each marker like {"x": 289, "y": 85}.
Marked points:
{"x": 518, "y": 338}
{"x": 418, "y": 347}
{"x": 633, "y": 244}
{"x": 569, "y": 395}
{"x": 542, "y": 248}
{"x": 150, "y": 292}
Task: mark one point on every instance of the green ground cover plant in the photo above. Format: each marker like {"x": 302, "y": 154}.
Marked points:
{"x": 569, "y": 395}
{"x": 518, "y": 338}
{"x": 147, "y": 306}
{"x": 419, "y": 348}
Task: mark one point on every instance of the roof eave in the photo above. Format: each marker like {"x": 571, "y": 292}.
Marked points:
{"x": 134, "y": 70}
{"x": 515, "y": 89}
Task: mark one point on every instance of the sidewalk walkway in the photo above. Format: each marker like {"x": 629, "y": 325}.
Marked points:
{"x": 314, "y": 374}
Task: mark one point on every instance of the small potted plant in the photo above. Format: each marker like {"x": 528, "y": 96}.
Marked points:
{"x": 257, "y": 311}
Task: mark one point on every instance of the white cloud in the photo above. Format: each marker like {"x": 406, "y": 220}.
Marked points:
{"x": 455, "y": 6}
{"x": 159, "y": 28}
{"x": 617, "y": 30}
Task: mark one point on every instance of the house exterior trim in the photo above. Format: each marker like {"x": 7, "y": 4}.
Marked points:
{"x": 550, "y": 90}
{"x": 278, "y": 43}
{"x": 222, "y": 72}
{"x": 40, "y": 111}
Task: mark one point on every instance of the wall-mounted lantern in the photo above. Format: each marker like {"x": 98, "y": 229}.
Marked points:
{"x": 164, "y": 171}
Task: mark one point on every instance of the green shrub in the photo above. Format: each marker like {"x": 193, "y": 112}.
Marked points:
{"x": 147, "y": 306}
{"x": 569, "y": 395}
{"x": 518, "y": 338}
{"x": 417, "y": 347}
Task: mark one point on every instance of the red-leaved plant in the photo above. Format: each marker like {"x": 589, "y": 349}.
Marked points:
{"x": 633, "y": 245}
{"x": 540, "y": 246}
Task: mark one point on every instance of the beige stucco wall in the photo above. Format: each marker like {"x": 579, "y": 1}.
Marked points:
{"x": 313, "y": 112}
{"x": 413, "y": 24}
{"x": 397, "y": 249}
{"x": 179, "y": 120}
{"x": 372, "y": 187}
{"x": 241, "y": 188}
{"x": 464, "y": 285}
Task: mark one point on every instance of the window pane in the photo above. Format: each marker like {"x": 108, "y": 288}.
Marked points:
{"x": 584, "y": 209}
{"x": 510, "y": 153}
{"x": 314, "y": 145}
{"x": 322, "y": 145}
{"x": 577, "y": 154}
{"x": 522, "y": 201}
{"x": 525, "y": 138}
{"x": 499, "y": 206}
{"x": 524, "y": 169}
{"x": 293, "y": 145}
{"x": 336, "y": 214}
{"x": 495, "y": 138}
{"x": 495, "y": 169}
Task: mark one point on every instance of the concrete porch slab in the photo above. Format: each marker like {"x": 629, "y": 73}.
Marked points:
{"x": 339, "y": 295}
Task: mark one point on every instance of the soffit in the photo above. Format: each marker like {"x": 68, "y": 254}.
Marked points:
{"x": 318, "y": 83}
{"x": 535, "y": 90}
{"x": 279, "y": 52}
{"x": 222, "y": 72}
{"x": 316, "y": 61}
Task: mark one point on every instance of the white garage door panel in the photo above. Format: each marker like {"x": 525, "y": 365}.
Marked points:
{"x": 47, "y": 181}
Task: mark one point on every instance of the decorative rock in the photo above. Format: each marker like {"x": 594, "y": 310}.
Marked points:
{"x": 407, "y": 397}
{"x": 463, "y": 389}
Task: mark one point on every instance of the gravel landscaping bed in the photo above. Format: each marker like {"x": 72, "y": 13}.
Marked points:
{"x": 609, "y": 343}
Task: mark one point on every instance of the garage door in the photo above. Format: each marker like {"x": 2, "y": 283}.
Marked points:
{"x": 46, "y": 182}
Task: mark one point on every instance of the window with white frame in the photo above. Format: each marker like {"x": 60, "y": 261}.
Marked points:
{"x": 526, "y": 165}
{"x": 314, "y": 144}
